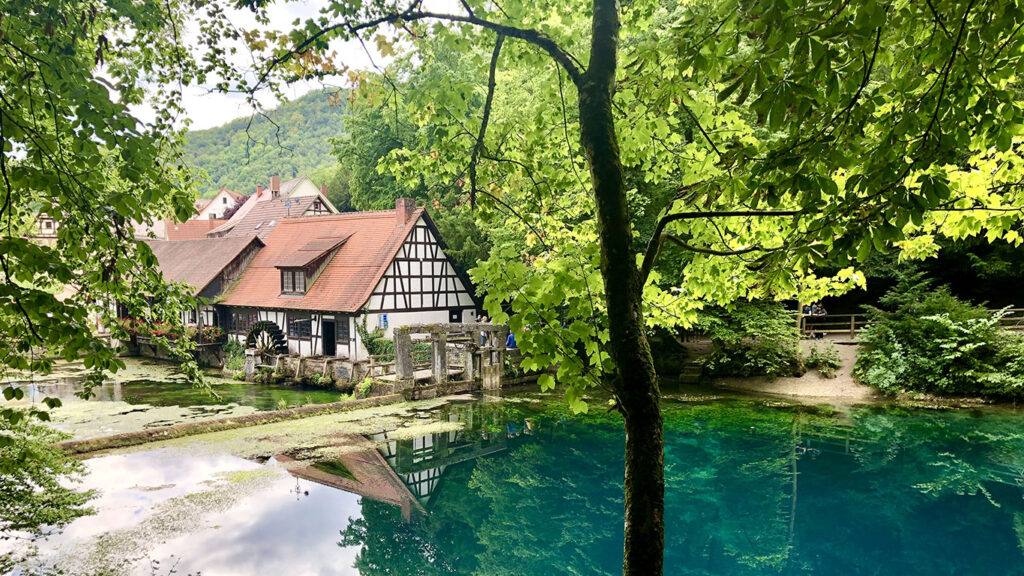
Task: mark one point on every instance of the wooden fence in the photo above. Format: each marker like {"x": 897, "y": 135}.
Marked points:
{"x": 851, "y": 324}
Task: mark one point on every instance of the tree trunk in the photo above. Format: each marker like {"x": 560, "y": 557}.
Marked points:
{"x": 636, "y": 385}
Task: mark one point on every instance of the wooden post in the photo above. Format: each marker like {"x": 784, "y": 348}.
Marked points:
{"x": 853, "y": 325}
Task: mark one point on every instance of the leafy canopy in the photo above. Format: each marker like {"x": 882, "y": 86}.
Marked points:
{"x": 830, "y": 131}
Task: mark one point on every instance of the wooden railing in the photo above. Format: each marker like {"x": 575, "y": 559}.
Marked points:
{"x": 1013, "y": 319}
{"x": 832, "y": 324}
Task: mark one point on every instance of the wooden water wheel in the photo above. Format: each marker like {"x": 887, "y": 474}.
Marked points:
{"x": 267, "y": 338}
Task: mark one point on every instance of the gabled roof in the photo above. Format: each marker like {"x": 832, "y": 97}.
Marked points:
{"x": 234, "y": 195}
{"x": 370, "y": 242}
{"x": 190, "y": 229}
{"x": 197, "y": 262}
{"x": 264, "y": 214}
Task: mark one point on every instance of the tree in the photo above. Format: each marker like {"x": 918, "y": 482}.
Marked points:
{"x": 75, "y": 80}
{"x": 792, "y": 137}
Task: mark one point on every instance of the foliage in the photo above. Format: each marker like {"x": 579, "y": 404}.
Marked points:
{"x": 924, "y": 339}
{"x": 37, "y": 496}
{"x": 74, "y": 146}
{"x": 364, "y": 388}
{"x": 374, "y": 130}
{"x": 291, "y": 140}
{"x": 824, "y": 360}
{"x": 234, "y": 355}
{"x": 752, "y": 339}
{"x": 374, "y": 341}
{"x": 264, "y": 376}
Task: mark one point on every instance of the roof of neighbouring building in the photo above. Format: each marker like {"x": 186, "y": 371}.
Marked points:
{"x": 261, "y": 218}
{"x": 368, "y": 243}
{"x": 197, "y": 262}
{"x": 190, "y": 229}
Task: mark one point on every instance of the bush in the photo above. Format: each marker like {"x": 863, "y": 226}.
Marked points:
{"x": 927, "y": 340}
{"x": 752, "y": 339}
{"x": 364, "y": 389}
{"x": 234, "y": 355}
{"x": 825, "y": 361}
{"x": 374, "y": 341}
{"x": 264, "y": 376}
{"x": 239, "y": 375}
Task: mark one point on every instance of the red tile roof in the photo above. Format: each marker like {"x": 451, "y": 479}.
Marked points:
{"x": 373, "y": 239}
{"x": 197, "y": 262}
{"x": 190, "y": 229}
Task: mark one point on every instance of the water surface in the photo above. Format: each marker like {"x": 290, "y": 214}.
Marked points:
{"x": 527, "y": 488}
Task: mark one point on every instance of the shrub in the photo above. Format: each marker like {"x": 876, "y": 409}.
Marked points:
{"x": 825, "y": 361}
{"x": 239, "y": 375}
{"x": 374, "y": 341}
{"x": 364, "y": 388}
{"x": 752, "y": 339}
{"x": 234, "y": 355}
{"x": 322, "y": 380}
{"x": 927, "y": 340}
{"x": 264, "y": 376}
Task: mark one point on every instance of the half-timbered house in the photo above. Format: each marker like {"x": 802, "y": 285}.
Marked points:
{"x": 318, "y": 276}
{"x": 209, "y": 266}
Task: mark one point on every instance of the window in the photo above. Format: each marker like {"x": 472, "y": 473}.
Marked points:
{"x": 342, "y": 329}
{"x": 293, "y": 281}
{"x": 299, "y": 325}
{"x": 242, "y": 320}
{"x": 224, "y": 200}
{"x": 48, "y": 225}
{"x": 382, "y": 321}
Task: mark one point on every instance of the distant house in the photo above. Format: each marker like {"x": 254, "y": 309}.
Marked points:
{"x": 220, "y": 206}
{"x": 45, "y": 231}
{"x": 317, "y": 276}
{"x": 208, "y": 265}
{"x": 293, "y": 198}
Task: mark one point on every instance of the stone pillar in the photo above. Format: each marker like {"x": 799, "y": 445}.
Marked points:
{"x": 252, "y": 358}
{"x": 439, "y": 358}
{"x": 403, "y": 354}
{"x": 468, "y": 373}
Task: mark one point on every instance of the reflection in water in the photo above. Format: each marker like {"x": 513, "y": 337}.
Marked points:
{"x": 525, "y": 488}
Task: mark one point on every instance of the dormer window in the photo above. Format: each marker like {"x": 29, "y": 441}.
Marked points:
{"x": 293, "y": 281}
{"x": 300, "y": 269}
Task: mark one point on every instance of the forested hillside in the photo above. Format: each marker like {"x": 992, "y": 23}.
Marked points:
{"x": 240, "y": 159}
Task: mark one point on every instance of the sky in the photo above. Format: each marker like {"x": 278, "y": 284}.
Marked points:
{"x": 207, "y": 109}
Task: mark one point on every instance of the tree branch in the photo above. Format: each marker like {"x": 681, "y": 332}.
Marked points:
{"x": 478, "y": 148}
{"x": 658, "y": 238}
{"x": 413, "y": 13}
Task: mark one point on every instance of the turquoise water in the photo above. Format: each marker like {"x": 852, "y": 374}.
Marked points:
{"x": 526, "y": 488}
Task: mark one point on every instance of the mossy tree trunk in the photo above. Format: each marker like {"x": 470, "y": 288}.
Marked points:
{"x": 636, "y": 386}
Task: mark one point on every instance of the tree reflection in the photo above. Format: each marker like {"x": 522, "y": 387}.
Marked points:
{"x": 751, "y": 489}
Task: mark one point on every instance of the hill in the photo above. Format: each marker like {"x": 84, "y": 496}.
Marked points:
{"x": 298, "y": 144}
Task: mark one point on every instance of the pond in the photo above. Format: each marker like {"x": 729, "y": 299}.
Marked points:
{"x": 521, "y": 486}
{"x": 151, "y": 393}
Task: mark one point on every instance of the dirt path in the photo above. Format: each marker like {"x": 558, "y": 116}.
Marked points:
{"x": 812, "y": 385}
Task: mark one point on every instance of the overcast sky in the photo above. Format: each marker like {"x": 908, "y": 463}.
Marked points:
{"x": 207, "y": 109}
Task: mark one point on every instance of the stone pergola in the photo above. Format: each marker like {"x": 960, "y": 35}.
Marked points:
{"x": 461, "y": 353}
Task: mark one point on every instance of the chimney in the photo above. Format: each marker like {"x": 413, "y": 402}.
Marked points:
{"x": 323, "y": 190}
{"x": 403, "y": 209}
{"x": 259, "y": 191}
{"x": 275, "y": 186}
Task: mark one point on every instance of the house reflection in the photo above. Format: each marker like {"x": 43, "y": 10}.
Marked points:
{"x": 421, "y": 461}
{"x": 392, "y": 468}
